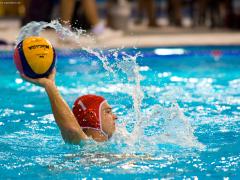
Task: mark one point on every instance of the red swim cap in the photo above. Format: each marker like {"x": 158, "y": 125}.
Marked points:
{"x": 87, "y": 110}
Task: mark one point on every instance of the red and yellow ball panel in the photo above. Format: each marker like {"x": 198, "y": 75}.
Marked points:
{"x": 35, "y": 57}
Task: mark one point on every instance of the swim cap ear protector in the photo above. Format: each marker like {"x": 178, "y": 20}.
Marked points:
{"x": 87, "y": 110}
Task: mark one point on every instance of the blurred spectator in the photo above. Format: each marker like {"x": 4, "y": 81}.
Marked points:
{"x": 38, "y": 10}
{"x": 41, "y": 10}
{"x": 211, "y": 13}
{"x": 118, "y": 14}
{"x": 72, "y": 9}
{"x": 215, "y": 13}
{"x": 148, "y": 7}
{"x": 84, "y": 15}
{"x": 200, "y": 12}
{"x": 175, "y": 15}
{"x": 233, "y": 13}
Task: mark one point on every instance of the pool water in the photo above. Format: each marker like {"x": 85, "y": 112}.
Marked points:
{"x": 190, "y": 117}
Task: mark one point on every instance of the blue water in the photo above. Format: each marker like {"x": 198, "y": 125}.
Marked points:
{"x": 203, "y": 82}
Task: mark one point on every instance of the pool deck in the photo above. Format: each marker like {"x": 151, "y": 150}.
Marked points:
{"x": 136, "y": 36}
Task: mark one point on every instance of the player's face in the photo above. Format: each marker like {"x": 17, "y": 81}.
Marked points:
{"x": 108, "y": 119}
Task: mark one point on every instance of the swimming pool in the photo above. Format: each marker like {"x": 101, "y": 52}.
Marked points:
{"x": 201, "y": 139}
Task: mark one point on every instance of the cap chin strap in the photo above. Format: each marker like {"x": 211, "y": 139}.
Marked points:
{"x": 100, "y": 120}
{"x": 99, "y": 130}
{"x": 105, "y": 134}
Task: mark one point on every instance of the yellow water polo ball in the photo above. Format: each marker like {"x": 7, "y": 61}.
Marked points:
{"x": 35, "y": 57}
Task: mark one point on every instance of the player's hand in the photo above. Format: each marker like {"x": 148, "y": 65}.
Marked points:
{"x": 42, "y": 81}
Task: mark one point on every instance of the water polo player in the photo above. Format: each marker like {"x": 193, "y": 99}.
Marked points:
{"x": 91, "y": 116}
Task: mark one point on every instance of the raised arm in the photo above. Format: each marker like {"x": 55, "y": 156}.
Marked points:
{"x": 65, "y": 119}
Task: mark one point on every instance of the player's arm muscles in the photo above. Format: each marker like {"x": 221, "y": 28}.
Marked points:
{"x": 65, "y": 119}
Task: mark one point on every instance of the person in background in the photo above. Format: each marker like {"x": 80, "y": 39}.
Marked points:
{"x": 148, "y": 7}
{"x": 175, "y": 12}
{"x": 41, "y": 10}
{"x": 219, "y": 12}
{"x": 89, "y": 9}
{"x": 38, "y": 10}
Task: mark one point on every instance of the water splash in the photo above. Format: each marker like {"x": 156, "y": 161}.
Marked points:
{"x": 175, "y": 127}
{"x": 101, "y": 56}
{"x": 129, "y": 66}
{"x": 35, "y": 28}
{"x": 173, "y": 122}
